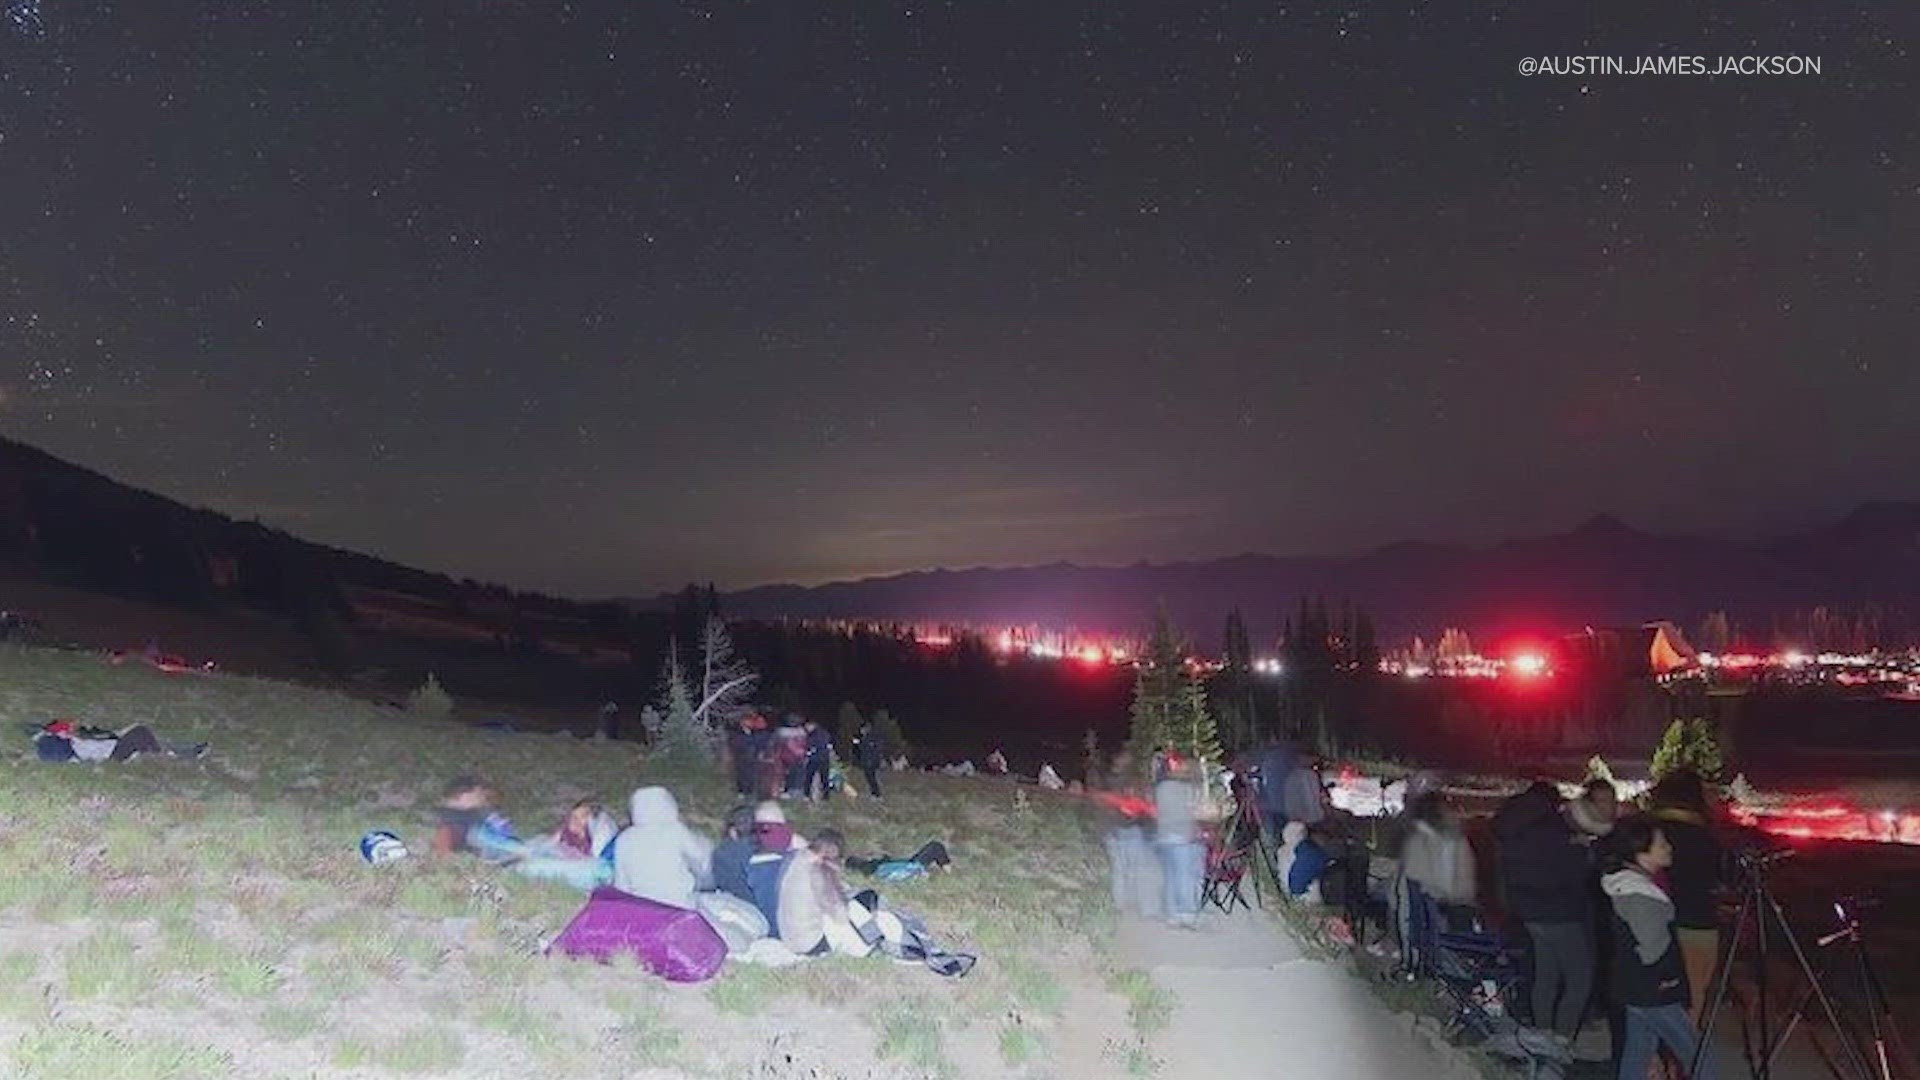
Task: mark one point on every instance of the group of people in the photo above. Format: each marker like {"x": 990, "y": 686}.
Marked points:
{"x": 1159, "y": 865}
{"x": 1619, "y": 912}
{"x": 1631, "y": 897}
{"x": 761, "y": 882}
{"x": 797, "y": 759}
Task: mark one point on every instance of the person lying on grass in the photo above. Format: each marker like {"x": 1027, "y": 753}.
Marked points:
{"x": 465, "y": 805}
{"x": 62, "y": 740}
{"x": 585, "y": 833}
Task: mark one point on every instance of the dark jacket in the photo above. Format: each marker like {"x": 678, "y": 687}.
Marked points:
{"x": 740, "y": 746}
{"x": 870, "y": 750}
{"x": 764, "y": 871}
{"x": 1544, "y": 870}
{"x": 1646, "y": 971}
{"x": 819, "y": 744}
{"x": 1695, "y": 874}
{"x": 730, "y": 866}
{"x": 1276, "y": 763}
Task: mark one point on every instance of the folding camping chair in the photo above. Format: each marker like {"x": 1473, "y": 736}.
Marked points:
{"x": 1474, "y": 966}
{"x": 1228, "y": 861}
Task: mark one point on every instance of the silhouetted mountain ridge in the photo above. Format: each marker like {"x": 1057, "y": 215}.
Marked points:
{"x": 1601, "y": 572}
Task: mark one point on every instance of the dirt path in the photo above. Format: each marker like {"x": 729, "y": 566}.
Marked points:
{"x": 1249, "y": 1004}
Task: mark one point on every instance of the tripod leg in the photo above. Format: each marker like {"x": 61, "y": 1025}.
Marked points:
{"x": 1854, "y": 1057}
{"x": 1718, "y": 997}
{"x": 1878, "y": 1008}
{"x": 1793, "y": 1021}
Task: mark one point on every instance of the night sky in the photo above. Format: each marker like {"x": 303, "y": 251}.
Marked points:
{"x": 600, "y": 297}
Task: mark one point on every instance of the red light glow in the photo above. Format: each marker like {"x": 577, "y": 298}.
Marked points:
{"x": 1528, "y": 665}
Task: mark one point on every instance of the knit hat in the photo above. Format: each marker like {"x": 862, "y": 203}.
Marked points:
{"x": 769, "y": 813}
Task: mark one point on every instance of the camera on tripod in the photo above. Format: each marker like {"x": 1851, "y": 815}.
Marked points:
{"x": 1862, "y": 1055}
{"x": 1753, "y": 859}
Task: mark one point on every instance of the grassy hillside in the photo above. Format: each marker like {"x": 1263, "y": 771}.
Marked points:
{"x": 163, "y": 919}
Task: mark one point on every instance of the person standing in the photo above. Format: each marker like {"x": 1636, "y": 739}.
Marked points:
{"x": 870, "y": 753}
{"x": 1544, "y": 880}
{"x": 819, "y": 761}
{"x": 1176, "y": 840}
{"x": 790, "y": 742}
{"x": 1679, "y": 803}
{"x": 740, "y": 749}
{"x": 610, "y": 721}
{"x": 1649, "y": 980}
{"x": 1276, "y": 763}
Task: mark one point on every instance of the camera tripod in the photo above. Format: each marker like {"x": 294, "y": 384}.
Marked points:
{"x": 1758, "y": 906}
{"x": 1879, "y": 1012}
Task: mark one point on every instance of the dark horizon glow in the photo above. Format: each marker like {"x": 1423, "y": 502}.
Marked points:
{"x": 599, "y": 298}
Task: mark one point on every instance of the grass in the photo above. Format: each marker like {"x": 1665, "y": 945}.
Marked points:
{"x": 82, "y": 1052}
{"x": 1035, "y": 988}
{"x": 1149, "y": 1006}
{"x": 746, "y": 991}
{"x": 107, "y": 965}
{"x": 228, "y": 893}
{"x": 910, "y": 1032}
{"x": 1019, "y": 1044}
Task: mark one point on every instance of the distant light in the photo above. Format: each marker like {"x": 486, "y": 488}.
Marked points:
{"x": 1091, "y": 654}
{"x": 1528, "y": 665}
{"x": 1797, "y": 659}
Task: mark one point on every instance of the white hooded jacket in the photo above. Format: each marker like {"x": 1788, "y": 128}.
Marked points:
{"x": 658, "y": 857}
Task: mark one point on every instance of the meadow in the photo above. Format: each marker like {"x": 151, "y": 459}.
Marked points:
{"x": 166, "y": 919}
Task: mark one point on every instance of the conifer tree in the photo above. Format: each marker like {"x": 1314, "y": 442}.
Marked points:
{"x": 1169, "y": 706}
{"x": 1688, "y": 744}
{"x": 683, "y": 742}
{"x": 1156, "y": 689}
{"x": 846, "y": 726}
{"x": 890, "y": 733}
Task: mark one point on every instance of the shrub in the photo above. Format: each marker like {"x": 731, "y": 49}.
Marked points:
{"x": 430, "y": 698}
{"x": 1688, "y": 744}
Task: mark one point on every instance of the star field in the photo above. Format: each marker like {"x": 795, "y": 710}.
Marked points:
{"x": 600, "y": 297}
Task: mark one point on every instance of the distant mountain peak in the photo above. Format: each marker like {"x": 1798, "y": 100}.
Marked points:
{"x": 1605, "y": 525}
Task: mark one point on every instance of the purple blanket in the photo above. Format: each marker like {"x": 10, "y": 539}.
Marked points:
{"x": 676, "y": 944}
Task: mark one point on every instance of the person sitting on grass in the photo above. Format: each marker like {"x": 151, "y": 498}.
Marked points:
{"x": 773, "y": 846}
{"x": 1309, "y": 862}
{"x": 1649, "y": 978}
{"x": 731, "y": 855}
{"x": 657, "y": 857}
{"x": 813, "y": 916}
